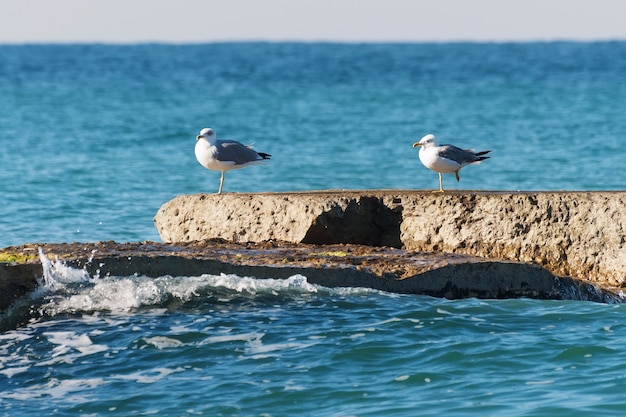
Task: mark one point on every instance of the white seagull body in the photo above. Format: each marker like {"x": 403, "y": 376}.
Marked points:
{"x": 224, "y": 155}
{"x": 446, "y": 159}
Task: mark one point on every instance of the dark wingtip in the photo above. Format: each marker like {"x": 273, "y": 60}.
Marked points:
{"x": 264, "y": 155}
{"x": 483, "y": 153}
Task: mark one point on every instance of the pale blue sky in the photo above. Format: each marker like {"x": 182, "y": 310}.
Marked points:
{"x": 309, "y": 20}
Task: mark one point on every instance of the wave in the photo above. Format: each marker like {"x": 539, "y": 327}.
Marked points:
{"x": 64, "y": 290}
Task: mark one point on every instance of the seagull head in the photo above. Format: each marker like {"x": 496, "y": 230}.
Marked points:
{"x": 206, "y": 133}
{"x": 426, "y": 141}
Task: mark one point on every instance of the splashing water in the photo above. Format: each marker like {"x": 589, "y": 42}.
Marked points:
{"x": 56, "y": 275}
{"x": 67, "y": 290}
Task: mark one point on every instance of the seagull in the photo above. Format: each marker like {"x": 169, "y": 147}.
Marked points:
{"x": 224, "y": 155}
{"x": 446, "y": 159}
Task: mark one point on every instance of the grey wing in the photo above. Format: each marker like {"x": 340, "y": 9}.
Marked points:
{"x": 233, "y": 151}
{"x": 461, "y": 156}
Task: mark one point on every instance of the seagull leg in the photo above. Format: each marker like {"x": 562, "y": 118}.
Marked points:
{"x": 440, "y": 182}
{"x": 456, "y": 173}
{"x": 221, "y": 183}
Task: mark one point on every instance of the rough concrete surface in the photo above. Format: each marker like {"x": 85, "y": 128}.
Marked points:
{"x": 575, "y": 234}
{"x": 313, "y": 217}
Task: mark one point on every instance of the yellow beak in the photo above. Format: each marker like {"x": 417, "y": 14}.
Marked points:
{"x": 416, "y": 144}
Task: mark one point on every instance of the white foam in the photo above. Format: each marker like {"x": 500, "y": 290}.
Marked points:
{"x": 254, "y": 285}
{"x": 292, "y": 386}
{"x": 257, "y": 349}
{"x": 12, "y": 360}
{"x": 56, "y": 388}
{"x": 544, "y": 382}
{"x": 13, "y": 370}
{"x": 162, "y": 342}
{"x": 123, "y": 294}
{"x": 226, "y": 338}
{"x": 13, "y": 336}
{"x": 388, "y": 321}
{"x": 150, "y": 376}
{"x": 71, "y": 346}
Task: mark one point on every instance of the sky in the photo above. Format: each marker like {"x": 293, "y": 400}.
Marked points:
{"x": 191, "y": 21}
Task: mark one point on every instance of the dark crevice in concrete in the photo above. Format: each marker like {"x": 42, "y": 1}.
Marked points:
{"x": 366, "y": 221}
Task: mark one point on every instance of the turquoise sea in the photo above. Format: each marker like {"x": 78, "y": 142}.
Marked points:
{"x": 94, "y": 138}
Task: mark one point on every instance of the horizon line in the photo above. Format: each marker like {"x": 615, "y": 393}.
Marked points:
{"x": 313, "y": 41}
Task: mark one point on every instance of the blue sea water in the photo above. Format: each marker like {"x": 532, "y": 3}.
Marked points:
{"x": 94, "y": 138}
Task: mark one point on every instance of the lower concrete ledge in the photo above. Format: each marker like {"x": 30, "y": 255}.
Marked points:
{"x": 388, "y": 269}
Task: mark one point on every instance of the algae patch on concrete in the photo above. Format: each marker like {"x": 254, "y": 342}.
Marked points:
{"x": 15, "y": 257}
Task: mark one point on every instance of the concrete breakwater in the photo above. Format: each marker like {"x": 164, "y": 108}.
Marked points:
{"x": 458, "y": 244}
{"x": 570, "y": 234}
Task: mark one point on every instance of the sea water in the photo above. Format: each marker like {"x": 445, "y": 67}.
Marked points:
{"x": 94, "y": 138}
{"x": 230, "y": 345}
